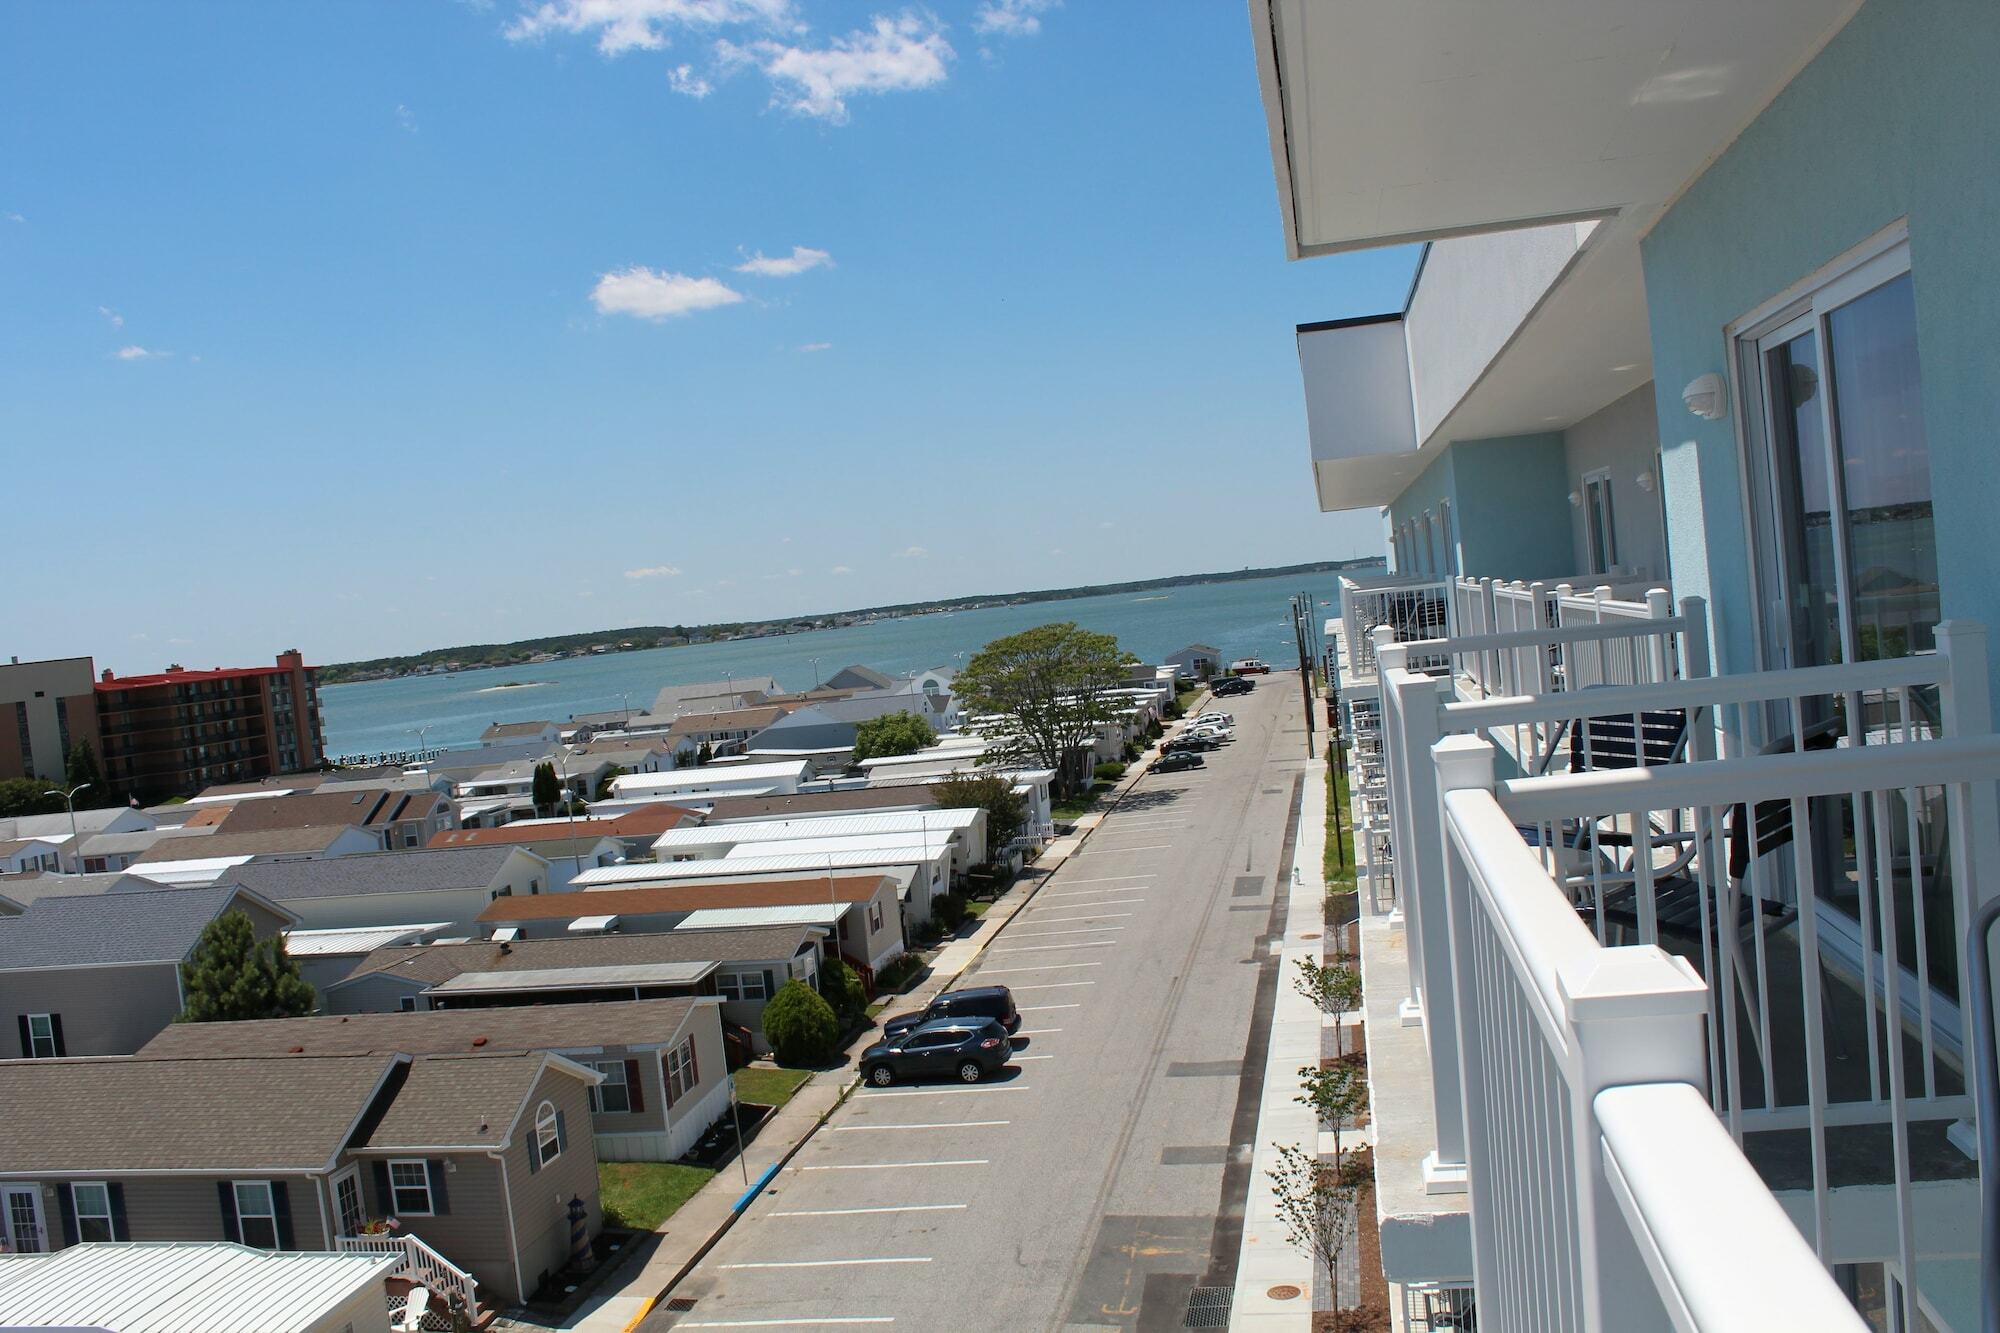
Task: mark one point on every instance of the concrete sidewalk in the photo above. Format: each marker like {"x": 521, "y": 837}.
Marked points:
{"x": 706, "y": 1217}
{"x": 1266, "y": 1260}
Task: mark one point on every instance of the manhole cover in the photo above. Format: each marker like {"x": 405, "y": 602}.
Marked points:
{"x": 1284, "y": 1293}
{"x": 1208, "y": 1307}
{"x": 680, "y": 1304}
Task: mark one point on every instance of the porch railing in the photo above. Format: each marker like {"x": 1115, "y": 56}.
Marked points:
{"x": 422, "y": 1265}
{"x": 1412, "y": 606}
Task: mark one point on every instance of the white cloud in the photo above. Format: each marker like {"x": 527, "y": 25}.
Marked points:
{"x": 815, "y": 347}
{"x": 793, "y": 573}
{"x": 654, "y": 572}
{"x": 911, "y": 553}
{"x": 1107, "y": 524}
{"x": 895, "y": 55}
{"x": 112, "y": 317}
{"x": 406, "y": 118}
{"x": 1012, "y": 18}
{"x": 138, "y": 353}
{"x": 15, "y": 217}
{"x": 642, "y": 25}
{"x": 650, "y": 294}
{"x": 683, "y": 80}
{"x": 840, "y": 569}
{"x": 1055, "y": 550}
{"x": 801, "y": 259}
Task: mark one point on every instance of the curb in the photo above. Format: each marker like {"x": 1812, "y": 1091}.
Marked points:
{"x": 1119, "y": 791}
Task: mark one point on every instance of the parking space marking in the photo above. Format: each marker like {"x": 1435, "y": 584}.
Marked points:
{"x": 1114, "y": 879}
{"x": 1125, "y": 887}
{"x": 826, "y": 1263}
{"x": 1043, "y": 1032}
{"x": 938, "y": 1092}
{"x": 1093, "y": 916}
{"x": 1142, "y": 847}
{"x": 940, "y": 1124}
{"x": 1084, "y": 930}
{"x": 1100, "y": 902}
{"x": 903, "y": 1165}
{"x": 856, "y": 1212}
{"x": 1026, "y": 1008}
{"x": 1046, "y": 967}
{"x": 1031, "y": 1057}
{"x": 791, "y": 1323}
{"x": 1045, "y": 948}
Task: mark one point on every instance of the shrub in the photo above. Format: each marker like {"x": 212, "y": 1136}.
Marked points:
{"x": 899, "y": 972}
{"x": 841, "y": 986}
{"x": 948, "y": 912}
{"x": 800, "y": 1026}
{"x": 1108, "y": 772}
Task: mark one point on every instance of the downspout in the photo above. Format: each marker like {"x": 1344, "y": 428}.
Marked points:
{"x": 513, "y": 1241}
{"x": 320, "y": 1185}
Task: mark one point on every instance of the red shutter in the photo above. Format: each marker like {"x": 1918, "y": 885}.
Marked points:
{"x": 694, "y": 1065}
{"x": 634, "y": 1089}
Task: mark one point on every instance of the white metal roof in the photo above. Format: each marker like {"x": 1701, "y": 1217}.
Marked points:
{"x": 181, "y": 1287}
{"x": 631, "y": 784}
{"x": 863, "y": 824}
{"x": 353, "y": 939}
{"x": 577, "y": 978}
{"x": 910, "y": 846}
{"x": 735, "y": 867}
{"x": 588, "y": 925}
{"x": 778, "y": 914}
{"x": 232, "y": 797}
{"x": 202, "y": 870}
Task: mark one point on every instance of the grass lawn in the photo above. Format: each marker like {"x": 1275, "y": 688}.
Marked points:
{"x": 769, "y": 1087}
{"x": 977, "y": 907}
{"x": 1339, "y": 864}
{"x": 1067, "y": 810}
{"x": 641, "y": 1195}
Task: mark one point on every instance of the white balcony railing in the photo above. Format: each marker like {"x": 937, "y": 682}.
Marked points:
{"x": 1412, "y": 606}
{"x": 424, "y": 1266}
{"x": 1812, "y": 892}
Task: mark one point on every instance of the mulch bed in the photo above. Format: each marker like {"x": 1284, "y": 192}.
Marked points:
{"x": 1372, "y": 1314}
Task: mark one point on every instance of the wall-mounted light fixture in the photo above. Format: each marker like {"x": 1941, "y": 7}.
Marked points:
{"x": 1645, "y": 480}
{"x": 1707, "y": 396}
{"x": 1576, "y": 499}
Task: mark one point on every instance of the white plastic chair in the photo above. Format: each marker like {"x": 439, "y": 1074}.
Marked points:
{"x": 415, "y": 1307}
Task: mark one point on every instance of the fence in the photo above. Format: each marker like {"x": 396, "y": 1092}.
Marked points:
{"x": 423, "y": 1265}
{"x": 1411, "y": 608}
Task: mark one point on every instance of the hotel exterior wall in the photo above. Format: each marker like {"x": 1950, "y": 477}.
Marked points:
{"x": 1507, "y": 506}
{"x": 1622, "y": 439}
{"x": 1894, "y": 119}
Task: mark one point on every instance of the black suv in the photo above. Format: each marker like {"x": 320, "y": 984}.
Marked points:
{"x": 994, "y": 1002}
{"x": 1187, "y": 744}
{"x": 967, "y": 1049}
{"x": 1222, "y": 689}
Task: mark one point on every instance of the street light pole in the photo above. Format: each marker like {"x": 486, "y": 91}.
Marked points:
{"x": 69, "y": 802}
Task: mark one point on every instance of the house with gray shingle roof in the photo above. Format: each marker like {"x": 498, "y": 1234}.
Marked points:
{"x": 471, "y": 1153}
{"x": 99, "y": 973}
{"x": 665, "y": 1071}
{"x": 449, "y": 884}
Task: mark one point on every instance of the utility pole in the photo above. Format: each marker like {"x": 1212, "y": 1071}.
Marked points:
{"x": 1305, "y": 670}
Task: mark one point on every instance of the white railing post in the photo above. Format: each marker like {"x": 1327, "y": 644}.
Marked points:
{"x": 1634, "y": 1015}
{"x": 1462, "y": 763}
{"x": 1411, "y": 703}
{"x": 1392, "y": 661}
{"x": 1660, "y": 606}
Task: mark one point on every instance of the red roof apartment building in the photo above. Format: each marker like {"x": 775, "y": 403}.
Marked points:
{"x": 164, "y": 734}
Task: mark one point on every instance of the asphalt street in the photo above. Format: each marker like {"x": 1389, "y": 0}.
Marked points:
{"x": 1099, "y": 1181}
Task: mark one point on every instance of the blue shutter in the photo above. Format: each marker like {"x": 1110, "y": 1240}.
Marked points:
{"x": 226, "y": 1194}
{"x": 562, "y": 1133}
{"x": 534, "y": 1149}
{"x": 66, "y": 1201}
{"x": 281, "y": 1204}
{"x": 55, "y": 1034}
{"x": 440, "y": 1201}
{"x": 27, "y": 1041}
{"x": 119, "y": 1229}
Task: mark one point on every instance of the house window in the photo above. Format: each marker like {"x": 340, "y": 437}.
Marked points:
{"x": 256, "y": 1214}
{"x": 92, "y": 1201}
{"x": 874, "y": 917}
{"x": 1600, "y": 531}
{"x": 410, "y": 1188}
{"x": 742, "y": 986}
{"x": 682, "y": 1073}
{"x": 43, "y": 1043}
{"x": 347, "y": 1198}
{"x": 548, "y": 1136}
{"x": 614, "y": 1095}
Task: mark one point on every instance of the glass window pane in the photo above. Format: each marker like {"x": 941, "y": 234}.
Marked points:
{"x": 1885, "y": 470}
{"x": 1804, "y": 500}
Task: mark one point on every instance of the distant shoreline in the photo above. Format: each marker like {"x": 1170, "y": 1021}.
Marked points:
{"x": 551, "y": 648}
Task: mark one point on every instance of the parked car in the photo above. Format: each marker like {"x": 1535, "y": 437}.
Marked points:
{"x": 967, "y": 1049}
{"x": 994, "y": 1002}
{"x": 1226, "y": 719}
{"x": 1231, "y": 686}
{"x": 1197, "y": 742}
{"x": 1250, "y": 666}
{"x": 1173, "y": 761}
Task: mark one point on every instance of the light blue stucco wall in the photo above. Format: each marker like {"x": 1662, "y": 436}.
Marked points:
{"x": 1513, "y": 519}
{"x": 1898, "y": 117}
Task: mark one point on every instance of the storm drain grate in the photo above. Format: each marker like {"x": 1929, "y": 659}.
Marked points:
{"x": 1208, "y": 1307}
{"x": 679, "y": 1305}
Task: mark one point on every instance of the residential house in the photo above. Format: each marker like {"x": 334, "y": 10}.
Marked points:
{"x": 859, "y": 677}
{"x": 832, "y": 726}
{"x": 724, "y": 733}
{"x": 186, "y": 859}
{"x": 327, "y": 956}
{"x": 1197, "y": 661}
{"x": 20, "y": 856}
{"x": 104, "y": 853}
{"x": 547, "y": 733}
{"x": 665, "y": 1077}
{"x": 471, "y": 1153}
{"x": 635, "y": 830}
{"x": 688, "y": 787}
{"x": 33, "y": 887}
{"x": 1690, "y": 400}
{"x": 99, "y": 973}
{"x": 568, "y": 854}
{"x": 965, "y": 828}
{"x": 60, "y": 828}
{"x": 743, "y": 967}
{"x": 182, "y": 1287}
{"x": 397, "y": 818}
{"x": 711, "y": 696}
{"x": 451, "y": 884}
{"x": 813, "y": 804}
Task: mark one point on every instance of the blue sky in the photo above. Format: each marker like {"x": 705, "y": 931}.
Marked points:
{"x": 365, "y": 328}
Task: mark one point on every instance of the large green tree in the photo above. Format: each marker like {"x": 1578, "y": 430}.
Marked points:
{"x": 892, "y": 734}
{"x": 234, "y": 975}
{"x": 1043, "y": 691}
{"x": 547, "y": 790}
{"x": 80, "y": 770}
{"x": 1005, "y": 811}
{"x": 27, "y": 796}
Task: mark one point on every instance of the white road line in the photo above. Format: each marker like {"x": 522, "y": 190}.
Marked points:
{"x": 1032, "y": 1057}
{"x": 901, "y": 1165}
{"x": 1053, "y": 985}
{"x": 1100, "y": 901}
{"x": 1043, "y": 1032}
{"x": 1047, "y": 967}
{"x": 1114, "y": 879}
{"x": 952, "y": 1124}
{"x": 825, "y": 1263}
{"x": 1105, "y": 943}
{"x": 785, "y": 1323}
{"x": 1025, "y": 1008}
{"x": 1045, "y": 934}
{"x": 942, "y": 1092}
{"x": 855, "y": 1212}
{"x": 1092, "y": 916}
{"x": 1142, "y": 847}
{"x": 1118, "y": 887}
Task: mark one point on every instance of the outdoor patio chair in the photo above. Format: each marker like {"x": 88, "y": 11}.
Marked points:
{"x": 416, "y": 1304}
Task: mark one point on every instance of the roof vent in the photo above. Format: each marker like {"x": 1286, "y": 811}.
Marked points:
{"x": 479, "y": 1041}
{"x": 296, "y": 1050}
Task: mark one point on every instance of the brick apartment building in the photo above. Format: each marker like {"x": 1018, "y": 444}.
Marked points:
{"x": 165, "y": 734}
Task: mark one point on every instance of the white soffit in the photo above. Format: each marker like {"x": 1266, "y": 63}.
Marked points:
{"x": 1406, "y": 120}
